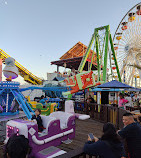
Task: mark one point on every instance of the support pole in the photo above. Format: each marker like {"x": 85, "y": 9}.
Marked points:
{"x": 57, "y": 68}
{"x": 115, "y": 59}
{"x": 0, "y": 69}
{"x": 97, "y": 53}
{"x": 135, "y": 82}
{"x": 84, "y": 59}
{"x": 106, "y": 55}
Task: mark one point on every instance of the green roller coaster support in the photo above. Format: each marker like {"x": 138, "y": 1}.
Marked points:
{"x": 82, "y": 64}
{"x": 92, "y": 59}
{"x": 106, "y": 54}
{"x": 101, "y": 47}
{"x": 115, "y": 59}
{"x": 97, "y": 54}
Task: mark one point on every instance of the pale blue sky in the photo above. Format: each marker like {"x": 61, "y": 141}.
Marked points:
{"x": 36, "y": 32}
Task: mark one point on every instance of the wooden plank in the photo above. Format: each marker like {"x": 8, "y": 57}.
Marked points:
{"x": 83, "y": 128}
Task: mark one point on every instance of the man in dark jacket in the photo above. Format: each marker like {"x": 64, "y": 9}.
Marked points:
{"x": 132, "y": 134}
{"x": 90, "y": 99}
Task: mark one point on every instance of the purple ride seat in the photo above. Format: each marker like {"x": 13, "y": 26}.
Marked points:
{"x": 63, "y": 117}
{"x": 46, "y": 120}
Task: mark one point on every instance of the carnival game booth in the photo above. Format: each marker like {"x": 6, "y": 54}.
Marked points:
{"x": 59, "y": 126}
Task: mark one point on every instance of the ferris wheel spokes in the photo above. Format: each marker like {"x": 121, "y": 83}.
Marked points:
{"x": 128, "y": 45}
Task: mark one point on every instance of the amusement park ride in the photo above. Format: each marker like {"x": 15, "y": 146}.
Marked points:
{"x": 100, "y": 41}
{"x": 120, "y": 61}
{"x": 28, "y": 76}
{"x": 59, "y": 126}
{"x": 10, "y": 96}
{"x": 127, "y": 44}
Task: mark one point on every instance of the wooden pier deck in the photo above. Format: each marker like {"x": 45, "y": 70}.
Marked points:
{"x": 83, "y": 128}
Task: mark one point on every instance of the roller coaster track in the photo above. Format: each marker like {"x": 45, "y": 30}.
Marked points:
{"x": 23, "y": 72}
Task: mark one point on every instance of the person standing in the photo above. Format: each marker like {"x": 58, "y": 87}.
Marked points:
{"x": 108, "y": 146}
{"x": 122, "y": 101}
{"x": 132, "y": 135}
{"x": 90, "y": 99}
{"x": 128, "y": 97}
{"x": 135, "y": 100}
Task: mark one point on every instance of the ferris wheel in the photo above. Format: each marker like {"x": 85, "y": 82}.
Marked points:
{"x": 127, "y": 46}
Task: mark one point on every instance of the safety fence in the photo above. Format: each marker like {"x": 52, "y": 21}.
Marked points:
{"x": 103, "y": 113}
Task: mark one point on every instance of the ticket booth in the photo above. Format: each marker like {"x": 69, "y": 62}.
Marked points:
{"x": 107, "y": 96}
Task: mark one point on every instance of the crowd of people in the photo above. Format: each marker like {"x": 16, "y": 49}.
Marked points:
{"x": 124, "y": 99}
{"x": 67, "y": 74}
{"x": 111, "y": 144}
{"x": 131, "y": 99}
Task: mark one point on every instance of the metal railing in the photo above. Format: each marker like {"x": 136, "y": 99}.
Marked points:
{"x": 103, "y": 113}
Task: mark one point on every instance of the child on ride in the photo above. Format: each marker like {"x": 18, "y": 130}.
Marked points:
{"x": 38, "y": 118}
{"x": 44, "y": 101}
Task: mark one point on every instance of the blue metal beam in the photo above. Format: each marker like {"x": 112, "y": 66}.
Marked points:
{"x": 62, "y": 89}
